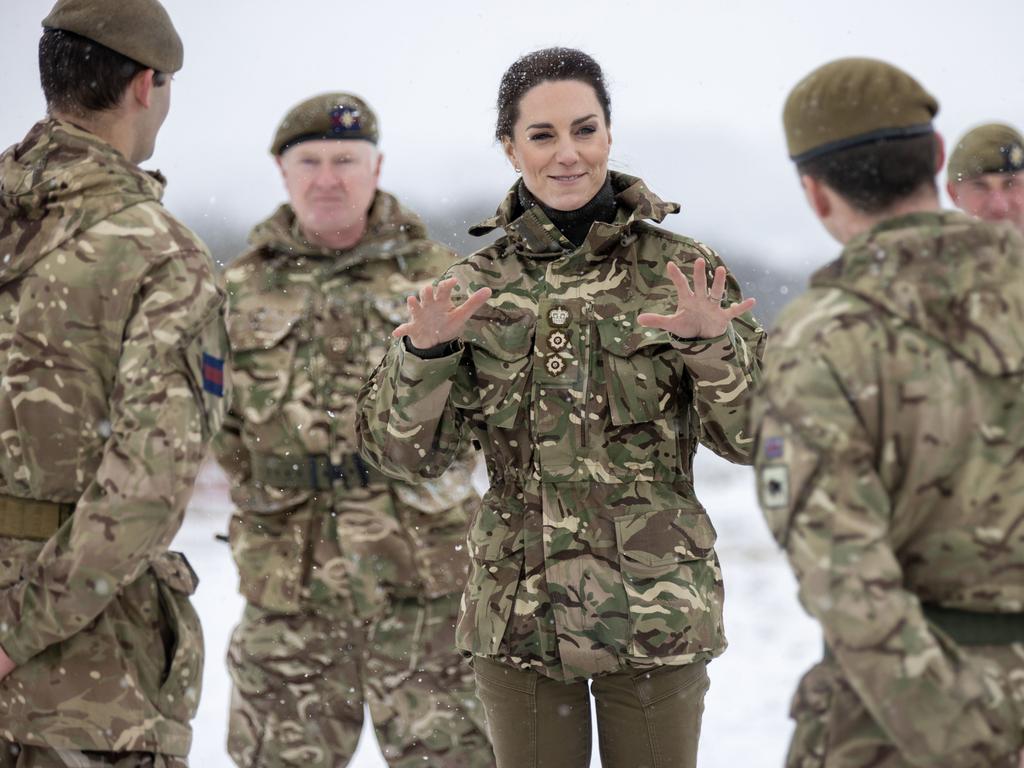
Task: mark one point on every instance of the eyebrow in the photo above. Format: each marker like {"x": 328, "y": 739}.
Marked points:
{"x": 577, "y": 121}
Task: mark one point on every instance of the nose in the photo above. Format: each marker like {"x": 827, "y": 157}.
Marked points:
{"x": 998, "y": 203}
{"x": 326, "y": 177}
{"x": 566, "y": 153}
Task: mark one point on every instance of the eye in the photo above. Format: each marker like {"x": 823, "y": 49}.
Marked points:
{"x": 540, "y": 136}
{"x": 587, "y": 130}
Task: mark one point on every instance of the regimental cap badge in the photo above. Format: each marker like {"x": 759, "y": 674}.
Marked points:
{"x": 1015, "y": 154}
{"x": 345, "y": 118}
{"x": 559, "y": 317}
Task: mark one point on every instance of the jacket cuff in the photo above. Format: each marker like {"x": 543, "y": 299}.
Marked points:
{"x": 430, "y": 368}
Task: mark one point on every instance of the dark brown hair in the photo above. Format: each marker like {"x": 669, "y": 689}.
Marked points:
{"x": 873, "y": 177}
{"x": 548, "y": 64}
{"x": 80, "y": 76}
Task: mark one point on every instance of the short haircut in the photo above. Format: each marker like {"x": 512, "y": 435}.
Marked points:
{"x": 80, "y": 76}
{"x": 874, "y": 177}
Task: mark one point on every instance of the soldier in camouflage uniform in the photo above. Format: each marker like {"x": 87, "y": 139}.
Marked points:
{"x": 590, "y": 371}
{"x": 111, "y": 353}
{"x": 351, "y": 580}
{"x": 890, "y": 437}
{"x": 986, "y": 174}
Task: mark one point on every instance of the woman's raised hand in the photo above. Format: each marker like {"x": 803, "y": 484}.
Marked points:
{"x": 699, "y": 313}
{"x": 434, "y": 319}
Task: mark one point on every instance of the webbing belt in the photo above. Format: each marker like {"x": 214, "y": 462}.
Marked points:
{"x": 312, "y": 472}
{"x": 30, "y": 518}
{"x": 973, "y": 628}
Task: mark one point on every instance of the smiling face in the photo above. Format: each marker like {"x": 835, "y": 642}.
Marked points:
{"x": 560, "y": 142}
{"x": 331, "y": 185}
{"x": 991, "y": 197}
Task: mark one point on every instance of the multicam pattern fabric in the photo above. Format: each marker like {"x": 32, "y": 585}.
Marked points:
{"x": 890, "y": 430}
{"x": 21, "y": 756}
{"x": 591, "y": 552}
{"x": 301, "y": 681}
{"x": 107, "y": 308}
{"x": 307, "y": 327}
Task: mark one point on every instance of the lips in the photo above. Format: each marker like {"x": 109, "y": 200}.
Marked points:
{"x": 568, "y": 179}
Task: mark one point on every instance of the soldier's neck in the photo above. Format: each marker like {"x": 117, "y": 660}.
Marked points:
{"x": 848, "y": 222}
{"x": 335, "y": 240}
{"x": 108, "y": 126}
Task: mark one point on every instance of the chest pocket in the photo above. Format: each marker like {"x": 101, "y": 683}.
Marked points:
{"x": 264, "y": 334}
{"x": 636, "y": 379}
{"x": 502, "y": 346}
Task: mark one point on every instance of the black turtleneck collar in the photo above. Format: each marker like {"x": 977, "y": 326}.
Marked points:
{"x": 575, "y": 225}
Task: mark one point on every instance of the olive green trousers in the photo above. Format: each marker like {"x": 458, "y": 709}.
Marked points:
{"x": 647, "y": 719}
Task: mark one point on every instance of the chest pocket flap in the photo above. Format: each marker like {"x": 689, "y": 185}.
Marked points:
{"x": 629, "y": 368}
{"x": 502, "y": 343}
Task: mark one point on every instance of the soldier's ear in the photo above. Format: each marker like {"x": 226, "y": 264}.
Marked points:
{"x": 940, "y": 152}
{"x": 141, "y": 88}
{"x": 378, "y": 162}
{"x": 817, "y": 198}
{"x": 953, "y": 191}
{"x": 510, "y": 151}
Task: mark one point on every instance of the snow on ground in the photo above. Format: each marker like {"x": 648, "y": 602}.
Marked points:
{"x": 745, "y": 722}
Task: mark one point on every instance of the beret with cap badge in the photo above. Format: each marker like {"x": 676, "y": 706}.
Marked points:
{"x": 990, "y": 148}
{"x": 138, "y": 29}
{"x": 336, "y": 115}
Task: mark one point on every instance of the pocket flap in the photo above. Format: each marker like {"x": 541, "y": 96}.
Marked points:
{"x": 665, "y": 536}
{"x": 622, "y": 336}
{"x": 261, "y": 328}
{"x": 174, "y": 570}
{"x": 502, "y": 334}
{"x": 491, "y": 538}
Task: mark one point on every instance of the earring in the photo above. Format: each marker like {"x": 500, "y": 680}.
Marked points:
{"x": 518, "y": 169}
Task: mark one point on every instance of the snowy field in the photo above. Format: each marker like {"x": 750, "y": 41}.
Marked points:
{"x": 745, "y": 723}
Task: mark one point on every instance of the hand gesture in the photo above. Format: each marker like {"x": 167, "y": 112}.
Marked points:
{"x": 699, "y": 313}
{"x": 434, "y": 319}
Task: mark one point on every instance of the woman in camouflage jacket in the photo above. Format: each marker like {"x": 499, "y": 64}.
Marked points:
{"x": 589, "y": 369}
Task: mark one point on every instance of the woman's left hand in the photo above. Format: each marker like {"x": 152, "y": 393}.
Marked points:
{"x": 699, "y": 313}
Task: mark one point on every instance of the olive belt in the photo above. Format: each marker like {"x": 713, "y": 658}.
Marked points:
{"x": 313, "y": 472}
{"x": 30, "y": 518}
{"x": 973, "y": 628}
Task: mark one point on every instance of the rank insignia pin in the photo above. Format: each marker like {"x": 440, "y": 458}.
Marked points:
{"x": 559, "y": 317}
{"x": 557, "y": 340}
{"x": 555, "y": 365}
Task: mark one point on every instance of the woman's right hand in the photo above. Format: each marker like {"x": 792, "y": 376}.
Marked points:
{"x": 434, "y": 319}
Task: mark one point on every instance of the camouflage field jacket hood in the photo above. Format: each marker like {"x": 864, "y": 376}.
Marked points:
{"x": 390, "y": 227}
{"x": 913, "y": 267}
{"x": 591, "y": 552}
{"x": 58, "y": 182}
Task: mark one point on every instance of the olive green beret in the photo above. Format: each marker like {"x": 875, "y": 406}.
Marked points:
{"x": 138, "y": 29}
{"x": 854, "y": 101}
{"x": 992, "y": 148}
{"x": 327, "y": 116}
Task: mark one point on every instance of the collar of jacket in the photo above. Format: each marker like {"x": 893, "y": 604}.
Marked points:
{"x": 390, "y": 225}
{"x": 532, "y": 232}
{"x": 59, "y": 181}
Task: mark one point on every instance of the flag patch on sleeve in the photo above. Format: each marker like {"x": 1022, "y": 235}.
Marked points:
{"x": 213, "y": 374}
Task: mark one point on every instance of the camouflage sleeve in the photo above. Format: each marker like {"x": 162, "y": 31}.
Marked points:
{"x": 724, "y": 372}
{"x": 817, "y": 421}
{"x": 228, "y": 448}
{"x": 407, "y": 424}
{"x": 164, "y": 405}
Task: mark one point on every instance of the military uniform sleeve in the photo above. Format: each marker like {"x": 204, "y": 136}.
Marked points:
{"x": 817, "y": 424}
{"x": 228, "y": 448}
{"x": 408, "y": 426}
{"x": 724, "y": 372}
{"x": 164, "y": 405}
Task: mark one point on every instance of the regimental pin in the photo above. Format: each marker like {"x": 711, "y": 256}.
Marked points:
{"x": 555, "y": 365}
{"x": 559, "y": 317}
{"x": 1017, "y": 156}
{"x": 557, "y": 340}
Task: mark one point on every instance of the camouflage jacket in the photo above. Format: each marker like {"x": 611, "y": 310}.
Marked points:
{"x": 591, "y": 552}
{"x": 307, "y": 326}
{"x": 111, "y": 349}
{"x": 890, "y": 430}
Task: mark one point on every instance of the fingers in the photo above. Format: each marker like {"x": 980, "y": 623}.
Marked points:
{"x": 402, "y": 330}
{"x": 718, "y": 284}
{"x": 468, "y": 308}
{"x": 443, "y": 293}
{"x": 735, "y": 310}
{"x": 700, "y": 278}
{"x": 651, "y": 320}
{"x": 675, "y": 274}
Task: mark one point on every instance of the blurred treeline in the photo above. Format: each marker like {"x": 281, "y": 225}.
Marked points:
{"x": 773, "y": 286}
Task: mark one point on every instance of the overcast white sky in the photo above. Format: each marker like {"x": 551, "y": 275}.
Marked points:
{"x": 697, "y": 90}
